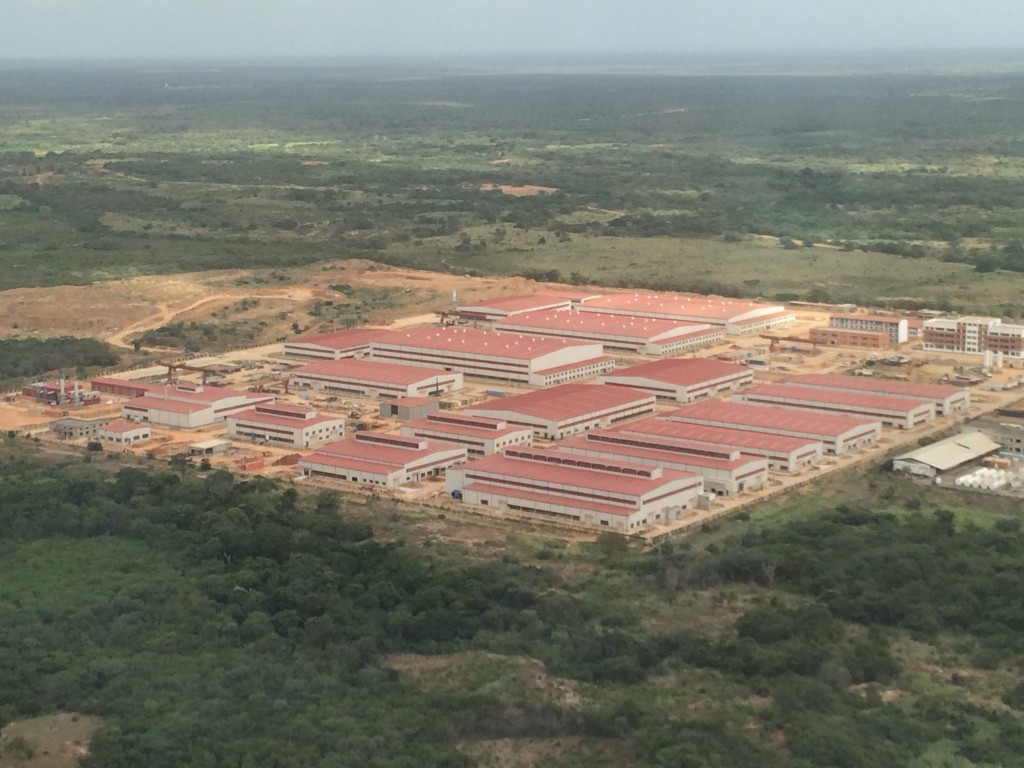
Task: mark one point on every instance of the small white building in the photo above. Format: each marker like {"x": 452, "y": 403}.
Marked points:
{"x": 291, "y": 425}
{"x": 124, "y": 433}
{"x": 944, "y": 455}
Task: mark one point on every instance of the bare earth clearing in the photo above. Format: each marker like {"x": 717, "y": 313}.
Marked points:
{"x": 51, "y": 741}
{"x": 116, "y": 310}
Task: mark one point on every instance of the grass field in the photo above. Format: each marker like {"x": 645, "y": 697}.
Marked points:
{"x": 118, "y": 172}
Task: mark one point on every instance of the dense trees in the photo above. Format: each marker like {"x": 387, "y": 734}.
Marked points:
{"x": 25, "y": 358}
{"x": 215, "y": 620}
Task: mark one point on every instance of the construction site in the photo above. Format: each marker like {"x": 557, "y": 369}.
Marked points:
{"x": 755, "y": 419}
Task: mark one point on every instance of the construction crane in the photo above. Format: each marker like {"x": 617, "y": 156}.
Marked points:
{"x": 172, "y": 367}
{"x": 776, "y": 342}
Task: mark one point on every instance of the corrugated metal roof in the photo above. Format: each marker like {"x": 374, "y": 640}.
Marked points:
{"x": 685, "y": 372}
{"x": 953, "y": 451}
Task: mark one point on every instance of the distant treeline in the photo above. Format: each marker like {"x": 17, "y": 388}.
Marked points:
{"x": 28, "y": 358}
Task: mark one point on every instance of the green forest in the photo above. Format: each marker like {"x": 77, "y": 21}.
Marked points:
{"x": 109, "y": 172}
{"x": 213, "y": 620}
{"x": 21, "y": 359}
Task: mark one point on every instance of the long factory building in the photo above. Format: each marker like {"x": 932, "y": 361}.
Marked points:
{"x": 371, "y": 458}
{"x": 642, "y": 335}
{"x": 900, "y": 412}
{"x": 947, "y": 399}
{"x": 509, "y": 306}
{"x": 783, "y": 452}
{"x": 897, "y": 328}
{"x": 570, "y": 409}
{"x": 371, "y": 378}
{"x": 838, "y": 434}
{"x": 479, "y": 435}
{"x": 281, "y": 424}
{"x": 682, "y": 379}
{"x": 534, "y": 360}
{"x": 736, "y": 316}
{"x": 557, "y": 485}
{"x": 181, "y": 405}
{"x": 726, "y": 470}
{"x": 354, "y": 342}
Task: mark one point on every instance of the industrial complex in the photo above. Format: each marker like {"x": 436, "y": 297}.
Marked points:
{"x": 624, "y": 411}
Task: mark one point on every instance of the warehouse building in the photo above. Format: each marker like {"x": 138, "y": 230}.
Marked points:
{"x": 974, "y": 336}
{"x": 784, "y": 453}
{"x": 372, "y": 458}
{"x": 121, "y": 434}
{"x": 508, "y": 306}
{"x": 900, "y": 412}
{"x": 70, "y": 428}
{"x": 738, "y": 317}
{"x": 947, "y": 399}
{"x": 682, "y": 380}
{"x": 569, "y": 409}
{"x": 189, "y": 407}
{"x": 353, "y": 342}
{"x": 535, "y": 360}
{"x": 896, "y": 328}
{"x": 838, "y": 434}
{"x": 479, "y": 435}
{"x": 371, "y": 378}
{"x": 555, "y": 485}
{"x": 642, "y": 335}
{"x": 850, "y": 337}
{"x": 944, "y": 455}
{"x": 281, "y": 424}
{"x": 726, "y": 470}
{"x": 121, "y": 387}
{"x": 409, "y": 408}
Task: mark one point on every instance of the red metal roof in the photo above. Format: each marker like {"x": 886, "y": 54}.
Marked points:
{"x": 119, "y": 427}
{"x": 515, "y": 346}
{"x": 883, "y": 386}
{"x": 553, "y": 499}
{"x": 373, "y": 371}
{"x": 151, "y": 402}
{"x": 524, "y": 302}
{"x": 565, "y": 401}
{"x": 500, "y": 465}
{"x": 347, "y": 339}
{"x": 639, "y": 329}
{"x": 466, "y": 430}
{"x": 684, "y": 372}
{"x": 714, "y": 308}
{"x": 739, "y": 438}
{"x": 255, "y": 416}
{"x": 343, "y": 451}
{"x": 653, "y": 453}
{"x": 573, "y": 366}
{"x": 838, "y": 397}
{"x": 208, "y": 394}
{"x": 766, "y": 417}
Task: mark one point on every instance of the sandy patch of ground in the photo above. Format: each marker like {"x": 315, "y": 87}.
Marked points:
{"x": 520, "y": 190}
{"x": 52, "y": 741}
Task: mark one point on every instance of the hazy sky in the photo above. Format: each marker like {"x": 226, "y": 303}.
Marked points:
{"x": 274, "y": 28}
